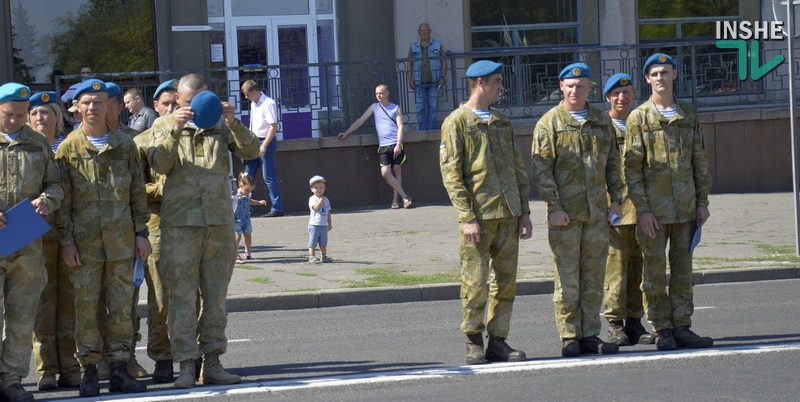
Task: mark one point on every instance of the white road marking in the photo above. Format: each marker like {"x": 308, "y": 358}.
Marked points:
{"x": 229, "y": 341}
{"x": 440, "y": 372}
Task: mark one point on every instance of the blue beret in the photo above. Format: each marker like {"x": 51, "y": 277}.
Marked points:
{"x": 171, "y": 85}
{"x": 13, "y": 92}
{"x": 113, "y": 89}
{"x": 616, "y": 81}
{"x": 575, "y": 70}
{"x": 89, "y": 86}
{"x": 43, "y": 98}
{"x": 207, "y": 109}
{"x": 658, "y": 58}
{"x": 483, "y": 68}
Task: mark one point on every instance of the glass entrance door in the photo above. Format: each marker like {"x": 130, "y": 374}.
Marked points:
{"x": 285, "y": 44}
{"x": 297, "y": 80}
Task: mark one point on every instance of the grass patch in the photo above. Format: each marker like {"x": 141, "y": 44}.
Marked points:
{"x": 776, "y": 253}
{"x": 279, "y": 270}
{"x": 306, "y": 274}
{"x": 261, "y": 279}
{"x": 301, "y": 290}
{"x": 249, "y": 267}
{"x": 385, "y": 277}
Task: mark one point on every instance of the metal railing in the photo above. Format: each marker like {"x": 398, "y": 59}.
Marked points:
{"x": 323, "y": 99}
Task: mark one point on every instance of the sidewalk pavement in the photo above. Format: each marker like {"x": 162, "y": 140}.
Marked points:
{"x": 748, "y": 237}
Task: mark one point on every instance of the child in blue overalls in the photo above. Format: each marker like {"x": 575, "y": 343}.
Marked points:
{"x": 241, "y": 214}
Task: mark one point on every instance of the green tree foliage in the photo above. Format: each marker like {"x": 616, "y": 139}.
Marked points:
{"x": 24, "y": 50}
{"x": 107, "y": 35}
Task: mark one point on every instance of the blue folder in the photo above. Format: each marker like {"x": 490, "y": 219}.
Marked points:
{"x": 23, "y": 225}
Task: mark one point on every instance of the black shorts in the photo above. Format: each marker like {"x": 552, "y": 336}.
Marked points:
{"x": 387, "y": 155}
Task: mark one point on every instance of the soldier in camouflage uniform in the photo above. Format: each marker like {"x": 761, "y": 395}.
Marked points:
{"x": 158, "y": 347}
{"x": 197, "y": 228}
{"x": 115, "y": 105}
{"x": 103, "y": 226}
{"x": 54, "y": 331}
{"x": 623, "y": 296}
{"x": 576, "y": 164}
{"x": 483, "y": 172}
{"x": 668, "y": 181}
{"x": 28, "y": 172}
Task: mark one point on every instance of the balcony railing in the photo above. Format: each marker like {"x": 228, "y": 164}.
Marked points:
{"x": 323, "y": 99}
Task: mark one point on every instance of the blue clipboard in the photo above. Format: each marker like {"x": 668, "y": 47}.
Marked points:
{"x": 697, "y": 233}
{"x": 23, "y": 225}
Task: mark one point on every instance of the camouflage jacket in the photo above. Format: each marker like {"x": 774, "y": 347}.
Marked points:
{"x": 105, "y": 200}
{"x": 628, "y": 209}
{"x": 577, "y": 165}
{"x": 154, "y": 182}
{"x": 665, "y": 163}
{"x": 131, "y": 133}
{"x": 195, "y": 162}
{"x": 28, "y": 171}
{"x": 482, "y": 167}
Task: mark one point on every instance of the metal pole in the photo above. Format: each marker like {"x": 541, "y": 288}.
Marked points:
{"x": 793, "y": 123}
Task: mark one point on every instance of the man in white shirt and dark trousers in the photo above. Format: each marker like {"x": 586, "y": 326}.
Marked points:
{"x": 264, "y": 123}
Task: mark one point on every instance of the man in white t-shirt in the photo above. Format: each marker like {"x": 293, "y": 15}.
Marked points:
{"x": 264, "y": 123}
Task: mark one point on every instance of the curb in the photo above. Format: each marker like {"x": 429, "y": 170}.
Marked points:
{"x": 451, "y": 291}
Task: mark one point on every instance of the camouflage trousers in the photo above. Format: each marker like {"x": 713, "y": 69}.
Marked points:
{"x": 580, "y": 250}
{"x": 495, "y": 255}
{"x": 103, "y": 291}
{"x": 673, "y": 310}
{"x": 196, "y": 257}
{"x": 157, "y": 335}
{"x": 158, "y": 347}
{"x": 54, "y": 330}
{"x": 22, "y": 278}
{"x": 623, "y": 293}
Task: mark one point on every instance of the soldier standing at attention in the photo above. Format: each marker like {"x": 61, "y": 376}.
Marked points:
{"x": 158, "y": 347}
{"x": 28, "y": 172}
{"x": 103, "y": 222}
{"x": 54, "y": 331}
{"x": 198, "y": 247}
{"x": 623, "y": 296}
{"x": 668, "y": 181}
{"x": 115, "y": 106}
{"x": 483, "y": 172}
{"x": 576, "y": 165}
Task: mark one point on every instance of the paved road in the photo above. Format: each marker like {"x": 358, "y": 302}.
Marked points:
{"x": 752, "y": 231}
{"x": 414, "y": 351}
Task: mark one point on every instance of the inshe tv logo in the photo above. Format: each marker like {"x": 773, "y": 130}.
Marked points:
{"x": 736, "y": 34}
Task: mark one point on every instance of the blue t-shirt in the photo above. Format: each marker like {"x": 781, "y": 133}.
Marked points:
{"x": 385, "y": 123}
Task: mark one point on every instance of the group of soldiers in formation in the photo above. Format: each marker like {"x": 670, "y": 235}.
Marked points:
{"x": 113, "y": 196}
{"x": 619, "y": 186}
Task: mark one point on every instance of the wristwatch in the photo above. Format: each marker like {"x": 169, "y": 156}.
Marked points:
{"x": 143, "y": 233}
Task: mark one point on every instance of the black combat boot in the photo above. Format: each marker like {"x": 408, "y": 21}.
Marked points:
{"x": 594, "y": 345}
{"x": 475, "y": 354}
{"x": 15, "y": 393}
{"x": 665, "y": 340}
{"x": 89, "y": 383}
{"x": 636, "y": 332}
{"x": 685, "y": 338}
{"x": 570, "y": 348}
{"x": 163, "y": 372}
{"x": 499, "y": 351}
{"x": 616, "y": 333}
{"x": 122, "y": 381}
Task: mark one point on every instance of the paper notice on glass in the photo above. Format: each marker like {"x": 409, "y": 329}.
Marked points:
{"x": 696, "y": 234}
{"x": 216, "y": 53}
{"x": 23, "y": 225}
